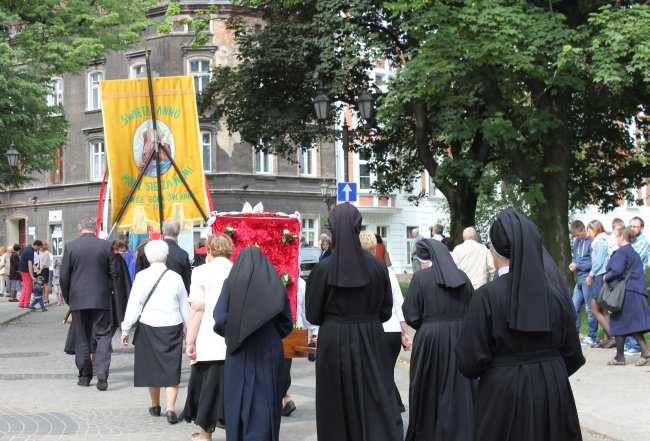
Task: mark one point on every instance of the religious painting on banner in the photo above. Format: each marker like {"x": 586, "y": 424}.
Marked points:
{"x": 130, "y": 140}
{"x": 276, "y": 234}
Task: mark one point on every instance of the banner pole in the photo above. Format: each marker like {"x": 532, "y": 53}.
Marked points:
{"x": 157, "y": 143}
{"x": 133, "y": 189}
{"x": 187, "y": 186}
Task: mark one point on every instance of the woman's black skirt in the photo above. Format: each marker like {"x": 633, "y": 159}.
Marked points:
{"x": 205, "y": 401}
{"x": 158, "y": 354}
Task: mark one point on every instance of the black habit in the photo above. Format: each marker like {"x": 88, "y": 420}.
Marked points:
{"x": 524, "y": 391}
{"x": 441, "y": 399}
{"x": 349, "y": 296}
{"x": 253, "y": 314}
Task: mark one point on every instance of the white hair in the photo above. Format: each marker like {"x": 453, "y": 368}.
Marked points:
{"x": 156, "y": 251}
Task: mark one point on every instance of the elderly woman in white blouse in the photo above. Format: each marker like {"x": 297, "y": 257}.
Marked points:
{"x": 207, "y": 350}
{"x": 158, "y": 302}
{"x": 395, "y": 329}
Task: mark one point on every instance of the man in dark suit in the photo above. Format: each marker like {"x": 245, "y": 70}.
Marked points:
{"x": 87, "y": 274}
{"x": 177, "y": 260}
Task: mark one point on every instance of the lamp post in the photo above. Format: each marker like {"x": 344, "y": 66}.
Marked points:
{"x": 12, "y": 155}
{"x": 12, "y": 158}
{"x": 329, "y": 195}
{"x": 365, "y": 103}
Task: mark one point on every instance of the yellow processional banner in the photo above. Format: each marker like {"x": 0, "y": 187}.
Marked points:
{"x": 130, "y": 139}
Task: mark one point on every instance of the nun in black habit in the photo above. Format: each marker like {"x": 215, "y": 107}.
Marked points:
{"x": 253, "y": 314}
{"x": 519, "y": 337}
{"x": 349, "y": 296}
{"x": 441, "y": 399}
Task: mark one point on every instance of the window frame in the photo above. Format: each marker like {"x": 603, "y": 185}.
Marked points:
{"x": 207, "y": 165}
{"x": 56, "y": 174}
{"x": 196, "y": 75}
{"x": 310, "y": 231}
{"x": 94, "y": 177}
{"x": 91, "y": 88}
{"x": 370, "y": 176}
{"x": 55, "y": 98}
{"x": 311, "y": 154}
{"x": 132, "y": 73}
{"x": 271, "y": 157}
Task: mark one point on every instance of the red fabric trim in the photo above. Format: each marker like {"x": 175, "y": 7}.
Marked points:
{"x": 207, "y": 192}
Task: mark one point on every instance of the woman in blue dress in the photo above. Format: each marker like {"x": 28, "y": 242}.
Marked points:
{"x": 253, "y": 314}
{"x": 634, "y": 318}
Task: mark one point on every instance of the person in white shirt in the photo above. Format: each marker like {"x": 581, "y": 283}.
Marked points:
{"x": 205, "y": 400}
{"x": 474, "y": 258}
{"x": 158, "y": 302}
{"x": 395, "y": 328}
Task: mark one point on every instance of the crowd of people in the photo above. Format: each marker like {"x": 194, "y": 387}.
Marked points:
{"x": 485, "y": 337}
{"x": 598, "y": 259}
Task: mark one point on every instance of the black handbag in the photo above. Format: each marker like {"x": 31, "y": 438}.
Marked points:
{"x": 136, "y": 325}
{"x": 612, "y": 294}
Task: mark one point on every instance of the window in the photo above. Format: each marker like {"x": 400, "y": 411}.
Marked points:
{"x": 206, "y": 150}
{"x": 408, "y": 242}
{"x": 310, "y": 230}
{"x": 200, "y": 70}
{"x": 55, "y": 98}
{"x": 138, "y": 71}
{"x": 97, "y": 161}
{"x": 57, "y": 167}
{"x": 365, "y": 177}
{"x": 382, "y": 231}
{"x": 94, "y": 98}
{"x": 263, "y": 162}
{"x": 308, "y": 162}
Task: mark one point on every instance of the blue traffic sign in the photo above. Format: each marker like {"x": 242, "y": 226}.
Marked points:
{"x": 347, "y": 191}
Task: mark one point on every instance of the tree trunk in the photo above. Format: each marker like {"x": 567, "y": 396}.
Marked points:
{"x": 553, "y": 214}
{"x": 462, "y": 209}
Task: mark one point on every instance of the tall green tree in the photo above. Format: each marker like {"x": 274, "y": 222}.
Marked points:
{"x": 539, "y": 90}
{"x": 43, "y": 39}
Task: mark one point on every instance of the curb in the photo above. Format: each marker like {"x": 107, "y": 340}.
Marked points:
{"x": 21, "y": 315}
{"x": 597, "y": 435}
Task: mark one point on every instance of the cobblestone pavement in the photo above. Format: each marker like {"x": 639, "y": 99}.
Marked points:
{"x": 40, "y": 401}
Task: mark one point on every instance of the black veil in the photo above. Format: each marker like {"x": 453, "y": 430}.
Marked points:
{"x": 256, "y": 295}
{"x": 515, "y": 237}
{"x": 444, "y": 269}
{"x": 346, "y": 269}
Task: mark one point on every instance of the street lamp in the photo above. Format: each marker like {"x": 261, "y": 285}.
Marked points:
{"x": 366, "y": 105}
{"x": 12, "y": 155}
{"x": 329, "y": 195}
{"x": 322, "y": 106}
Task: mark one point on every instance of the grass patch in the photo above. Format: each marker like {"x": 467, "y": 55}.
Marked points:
{"x": 404, "y": 286}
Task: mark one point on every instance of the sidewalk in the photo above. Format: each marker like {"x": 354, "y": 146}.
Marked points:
{"x": 10, "y": 311}
{"x": 613, "y": 401}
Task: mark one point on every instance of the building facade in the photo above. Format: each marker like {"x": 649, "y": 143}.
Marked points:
{"x": 50, "y": 207}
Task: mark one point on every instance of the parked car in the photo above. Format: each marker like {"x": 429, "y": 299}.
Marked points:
{"x": 308, "y": 258}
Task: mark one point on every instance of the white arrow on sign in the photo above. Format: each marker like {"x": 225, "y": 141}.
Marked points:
{"x": 347, "y": 191}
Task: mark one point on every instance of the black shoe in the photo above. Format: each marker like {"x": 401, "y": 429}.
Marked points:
{"x": 102, "y": 382}
{"x": 79, "y": 383}
{"x": 288, "y": 408}
{"x": 171, "y": 417}
{"x": 154, "y": 411}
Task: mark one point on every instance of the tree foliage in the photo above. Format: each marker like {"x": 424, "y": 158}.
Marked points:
{"x": 538, "y": 91}
{"x": 43, "y": 39}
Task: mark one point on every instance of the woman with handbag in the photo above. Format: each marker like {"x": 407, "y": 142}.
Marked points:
{"x": 158, "y": 304}
{"x": 633, "y": 319}
{"x": 599, "y": 259}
